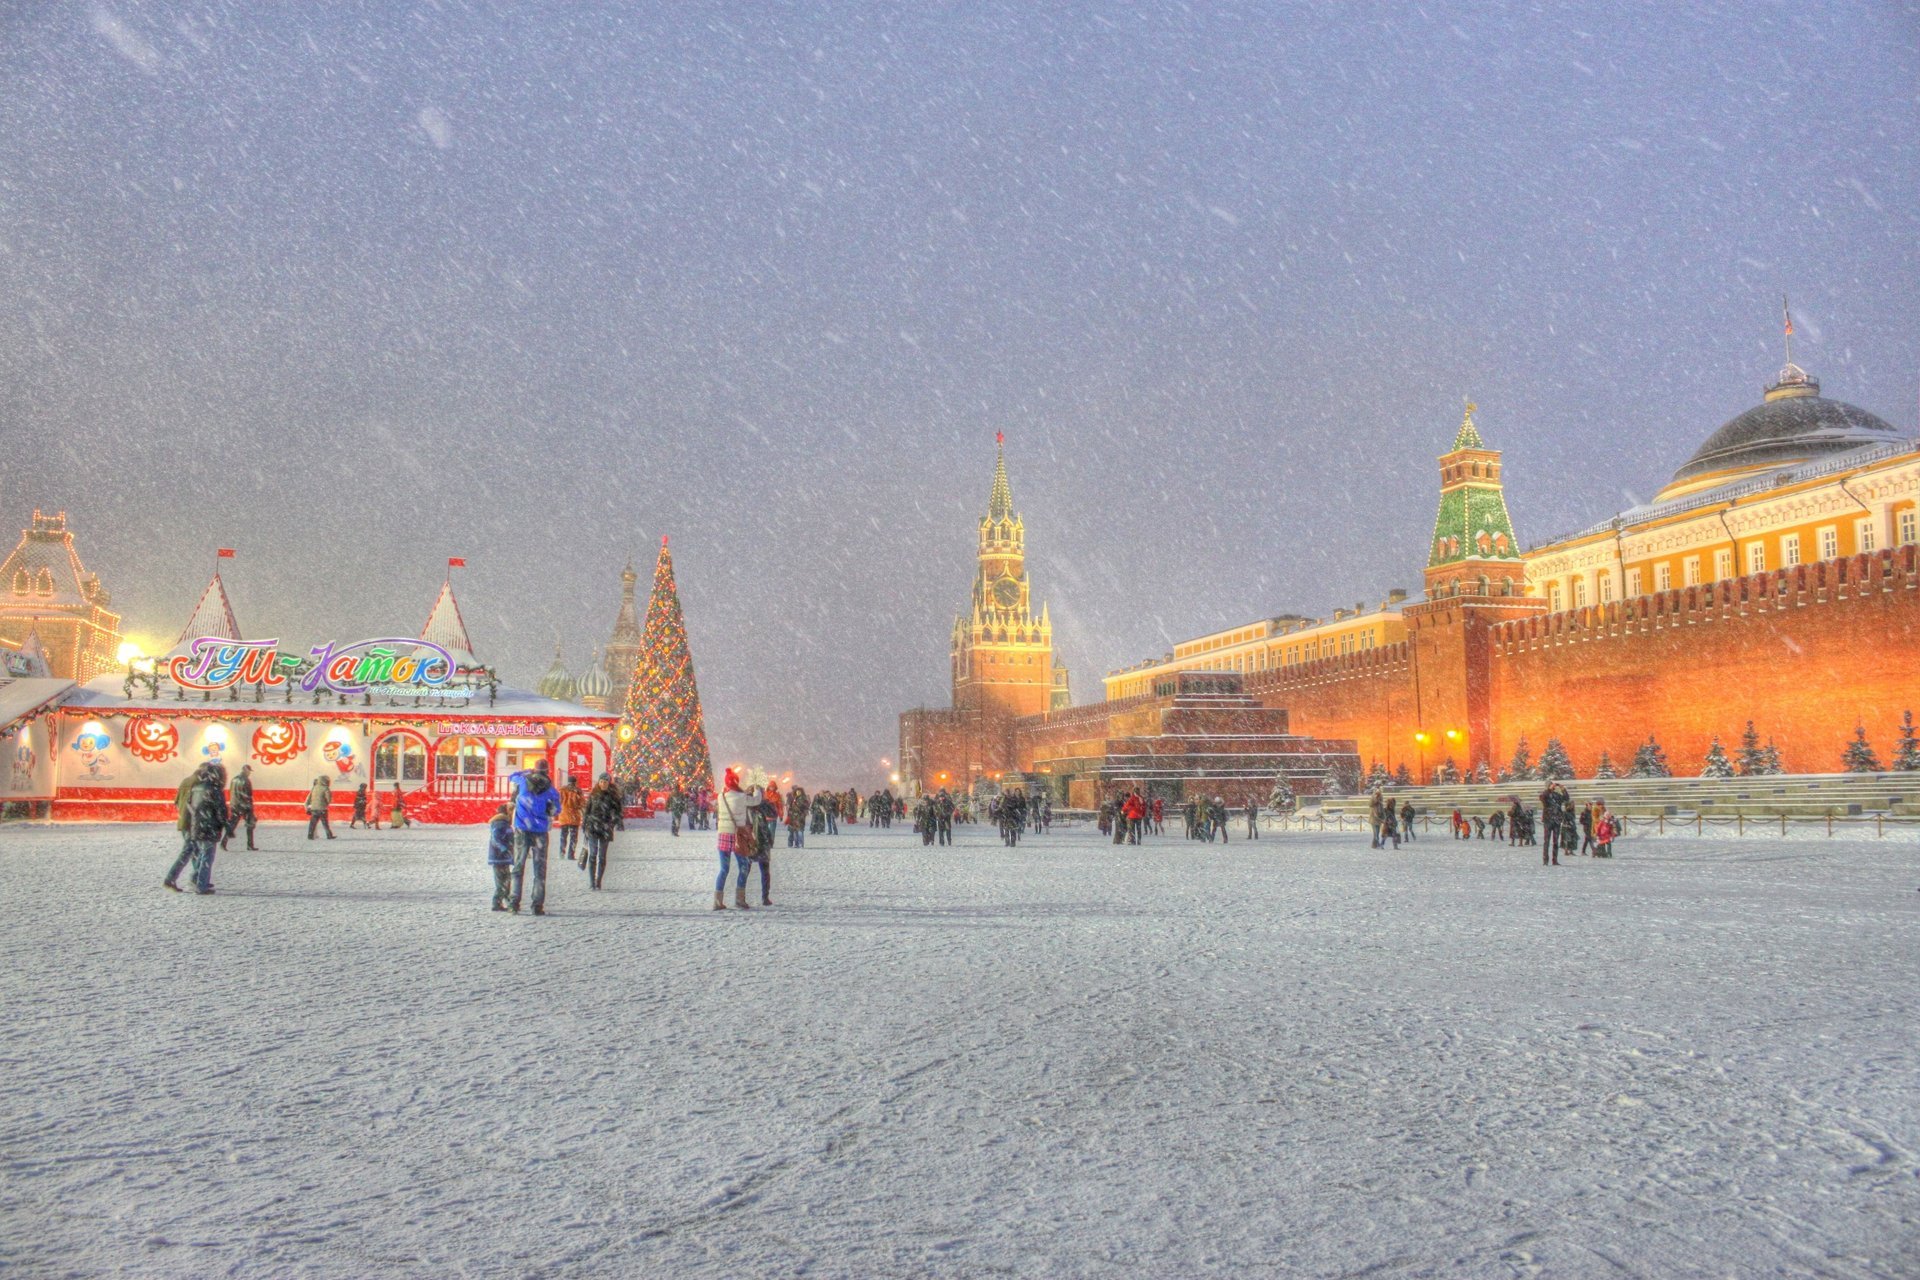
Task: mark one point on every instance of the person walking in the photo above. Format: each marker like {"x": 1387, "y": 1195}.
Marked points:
{"x": 1587, "y": 842}
{"x": 943, "y": 817}
{"x": 397, "y": 818}
{"x": 1253, "y": 819}
{"x": 189, "y": 805}
{"x": 573, "y": 803}
{"x": 319, "y": 800}
{"x": 798, "y": 805}
{"x": 1159, "y": 815}
{"x": 535, "y": 804}
{"x": 240, "y": 805}
{"x": 359, "y": 807}
{"x": 207, "y": 810}
{"x": 499, "y": 854}
{"x": 732, "y": 811}
{"x": 677, "y": 808}
{"x": 602, "y": 815}
{"x": 1406, "y": 821}
{"x": 1377, "y": 807}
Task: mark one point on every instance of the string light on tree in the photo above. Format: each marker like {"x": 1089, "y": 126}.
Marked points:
{"x": 662, "y": 738}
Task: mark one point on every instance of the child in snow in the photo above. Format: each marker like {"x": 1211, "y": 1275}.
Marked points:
{"x": 500, "y": 855}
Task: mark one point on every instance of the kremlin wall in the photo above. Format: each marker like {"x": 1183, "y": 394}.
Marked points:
{"x": 1775, "y": 579}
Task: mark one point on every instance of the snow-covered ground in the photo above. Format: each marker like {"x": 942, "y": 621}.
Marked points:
{"x": 1294, "y": 1058}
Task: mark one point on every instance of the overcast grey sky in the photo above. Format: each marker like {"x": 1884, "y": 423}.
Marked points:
{"x": 353, "y": 288}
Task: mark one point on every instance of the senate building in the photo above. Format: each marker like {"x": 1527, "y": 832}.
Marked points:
{"x": 1773, "y": 578}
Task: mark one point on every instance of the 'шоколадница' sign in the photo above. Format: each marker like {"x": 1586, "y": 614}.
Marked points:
{"x": 215, "y": 663}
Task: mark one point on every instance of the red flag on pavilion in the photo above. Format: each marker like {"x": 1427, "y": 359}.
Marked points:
{"x": 456, "y": 562}
{"x": 1787, "y": 315}
{"x": 224, "y": 553}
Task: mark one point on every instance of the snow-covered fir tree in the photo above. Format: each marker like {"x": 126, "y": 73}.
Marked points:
{"x": 1403, "y": 776}
{"x": 1520, "y": 768}
{"x": 1378, "y": 777}
{"x": 1753, "y": 760}
{"x": 1650, "y": 761}
{"x": 1448, "y": 773}
{"x": 1859, "y": 756}
{"x": 1555, "y": 765}
{"x": 1906, "y": 753}
{"x": 1716, "y": 764}
{"x": 1605, "y": 769}
{"x": 1332, "y": 785}
{"x": 1770, "y": 761}
{"x": 1483, "y": 773}
{"x": 1281, "y": 799}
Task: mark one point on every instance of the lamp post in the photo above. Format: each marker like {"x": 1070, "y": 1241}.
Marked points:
{"x": 1422, "y": 737}
{"x": 1454, "y": 740}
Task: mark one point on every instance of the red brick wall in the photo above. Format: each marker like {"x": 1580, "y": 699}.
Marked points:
{"x": 1806, "y": 653}
{"x": 1367, "y": 697}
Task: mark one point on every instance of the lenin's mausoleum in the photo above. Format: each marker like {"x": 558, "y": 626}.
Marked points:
{"x": 1773, "y": 579}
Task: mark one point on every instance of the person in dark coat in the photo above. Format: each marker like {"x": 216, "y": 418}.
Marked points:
{"x": 500, "y": 854}
{"x": 359, "y": 807}
{"x": 240, "y": 805}
{"x": 603, "y": 815}
{"x": 207, "y": 814}
{"x": 1406, "y": 821}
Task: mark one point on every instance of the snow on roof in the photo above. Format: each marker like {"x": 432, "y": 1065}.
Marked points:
{"x": 43, "y": 569}
{"x": 22, "y": 698}
{"x": 213, "y": 616}
{"x": 445, "y": 627}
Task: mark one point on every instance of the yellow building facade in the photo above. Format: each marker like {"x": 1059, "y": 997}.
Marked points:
{"x": 1267, "y": 645}
{"x": 1798, "y": 478}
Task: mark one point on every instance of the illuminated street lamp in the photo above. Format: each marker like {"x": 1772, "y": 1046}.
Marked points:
{"x": 1422, "y": 737}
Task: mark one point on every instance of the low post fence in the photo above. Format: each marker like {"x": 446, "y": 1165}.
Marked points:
{"x": 1880, "y": 824}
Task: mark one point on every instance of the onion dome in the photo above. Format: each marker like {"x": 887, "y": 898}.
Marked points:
{"x": 595, "y": 687}
{"x": 557, "y": 683}
{"x": 1794, "y": 424}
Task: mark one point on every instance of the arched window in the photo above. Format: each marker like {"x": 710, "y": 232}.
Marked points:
{"x": 22, "y": 582}
{"x": 44, "y": 586}
{"x": 460, "y": 758}
{"x": 400, "y": 757}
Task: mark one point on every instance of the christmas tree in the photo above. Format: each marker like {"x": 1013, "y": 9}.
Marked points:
{"x": 1403, "y": 776}
{"x": 1605, "y": 768}
{"x": 662, "y": 736}
{"x": 1521, "y": 770}
{"x": 1906, "y": 754}
{"x": 1555, "y": 766}
{"x": 1483, "y": 773}
{"x": 1716, "y": 764}
{"x": 1753, "y": 760}
{"x": 1770, "y": 761}
{"x": 1378, "y": 777}
{"x": 1859, "y": 757}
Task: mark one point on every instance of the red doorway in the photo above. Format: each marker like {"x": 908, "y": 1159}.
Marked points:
{"x": 579, "y": 764}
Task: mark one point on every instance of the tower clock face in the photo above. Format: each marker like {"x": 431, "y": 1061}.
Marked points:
{"x": 1007, "y": 592}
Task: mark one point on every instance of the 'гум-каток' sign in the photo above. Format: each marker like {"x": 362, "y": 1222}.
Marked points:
{"x": 216, "y": 663}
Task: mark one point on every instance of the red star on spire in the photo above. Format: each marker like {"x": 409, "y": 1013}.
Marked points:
{"x": 999, "y": 437}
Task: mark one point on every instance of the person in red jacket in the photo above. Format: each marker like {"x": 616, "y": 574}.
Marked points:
{"x": 1159, "y": 816}
{"x": 1136, "y": 811}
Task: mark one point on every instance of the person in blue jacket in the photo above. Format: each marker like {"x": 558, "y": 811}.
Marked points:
{"x": 500, "y": 855}
{"x": 535, "y": 802}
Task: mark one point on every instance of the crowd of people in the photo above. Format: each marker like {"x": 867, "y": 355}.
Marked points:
{"x": 1556, "y": 826}
{"x": 211, "y": 810}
